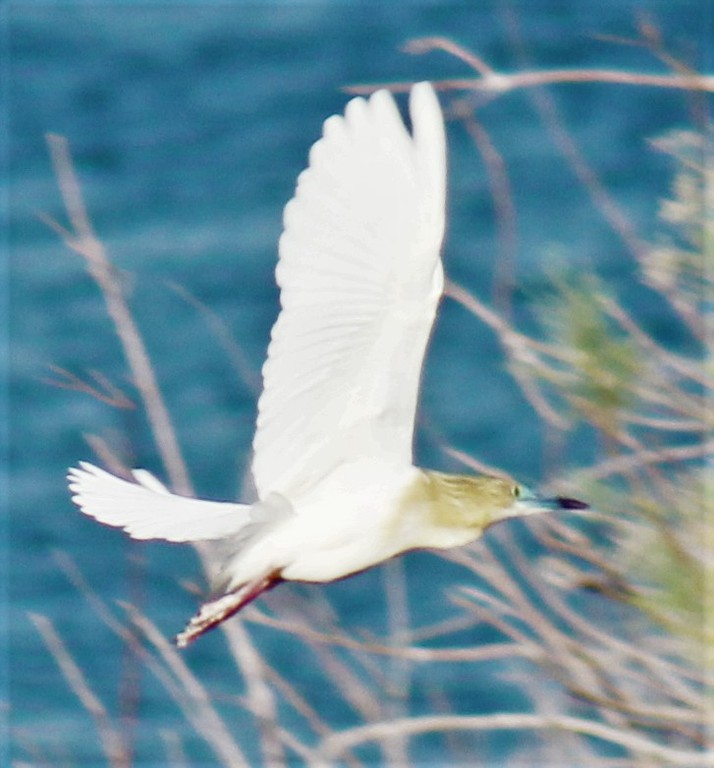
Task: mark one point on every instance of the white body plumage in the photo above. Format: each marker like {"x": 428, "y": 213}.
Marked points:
{"x": 360, "y": 278}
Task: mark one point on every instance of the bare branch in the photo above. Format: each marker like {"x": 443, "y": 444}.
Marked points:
{"x": 105, "y": 392}
{"x": 502, "y": 196}
{"x": 333, "y": 746}
{"x": 235, "y": 354}
{"x": 84, "y": 242}
{"x": 414, "y": 653}
{"x": 261, "y": 700}
{"x": 199, "y": 709}
{"x": 426, "y": 44}
{"x": 620, "y": 465}
{"x": 678, "y": 363}
{"x": 498, "y": 83}
{"x": 109, "y": 736}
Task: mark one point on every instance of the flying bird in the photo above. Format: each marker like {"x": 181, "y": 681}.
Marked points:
{"x": 360, "y": 279}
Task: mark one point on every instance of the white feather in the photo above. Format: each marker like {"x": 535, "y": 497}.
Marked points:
{"x": 147, "y": 510}
{"x": 360, "y": 279}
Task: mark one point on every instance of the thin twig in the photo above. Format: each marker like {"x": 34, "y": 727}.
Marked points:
{"x": 174, "y": 688}
{"x": 413, "y": 653}
{"x": 175, "y": 755}
{"x": 398, "y": 668}
{"x": 260, "y": 698}
{"x": 504, "y": 82}
{"x": 109, "y": 736}
{"x": 83, "y": 240}
{"x": 426, "y": 44}
{"x": 563, "y": 139}
{"x": 333, "y": 746}
{"x": 234, "y": 353}
{"x": 203, "y": 715}
{"x": 502, "y": 196}
{"x": 680, "y": 364}
{"x": 105, "y": 392}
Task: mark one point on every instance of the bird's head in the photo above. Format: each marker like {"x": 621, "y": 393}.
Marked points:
{"x": 465, "y": 505}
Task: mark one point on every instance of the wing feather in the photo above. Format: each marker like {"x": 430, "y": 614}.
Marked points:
{"x": 360, "y": 279}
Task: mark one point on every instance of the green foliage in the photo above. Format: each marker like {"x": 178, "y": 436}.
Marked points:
{"x": 683, "y": 260}
{"x": 671, "y": 560}
{"x": 651, "y": 404}
{"x": 603, "y": 361}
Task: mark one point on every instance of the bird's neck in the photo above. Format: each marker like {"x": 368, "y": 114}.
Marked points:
{"x": 443, "y": 510}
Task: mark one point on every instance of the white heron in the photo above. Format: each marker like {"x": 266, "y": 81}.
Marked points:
{"x": 360, "y": 278}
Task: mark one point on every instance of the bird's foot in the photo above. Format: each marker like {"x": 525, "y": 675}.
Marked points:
{"x": 215, "y": 611}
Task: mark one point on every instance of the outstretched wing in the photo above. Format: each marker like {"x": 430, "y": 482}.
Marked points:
{"x": 360, "y": 279}
{"x": 147, "y": 510}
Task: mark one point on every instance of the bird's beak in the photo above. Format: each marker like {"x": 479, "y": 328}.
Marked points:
{"x": 541, "y": 504}
{"x": 530, "y": 503}
{"x": 534, "y": 504}
{"x": 562, "y": 502}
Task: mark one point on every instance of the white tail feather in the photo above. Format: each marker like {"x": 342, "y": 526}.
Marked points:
{"x": 148, "y": 510}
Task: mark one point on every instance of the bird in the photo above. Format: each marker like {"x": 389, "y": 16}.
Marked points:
{"x": 360, "y": 276}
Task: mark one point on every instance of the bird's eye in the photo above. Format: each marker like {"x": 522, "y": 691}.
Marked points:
{"x": 516, "y": 491}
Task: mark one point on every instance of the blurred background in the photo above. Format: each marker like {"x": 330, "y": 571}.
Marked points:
{"x": 188, "y": 125}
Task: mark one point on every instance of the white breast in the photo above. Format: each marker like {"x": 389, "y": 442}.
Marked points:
{"x": 343, "y": 525}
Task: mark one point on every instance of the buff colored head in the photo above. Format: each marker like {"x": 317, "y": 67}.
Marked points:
{"x": 455, "y": 509}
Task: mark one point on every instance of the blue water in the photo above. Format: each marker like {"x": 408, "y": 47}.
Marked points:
{"x": 188, "y": 125}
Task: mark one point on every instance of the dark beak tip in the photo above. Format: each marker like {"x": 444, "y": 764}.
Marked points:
{"x": 566, "y": 503}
